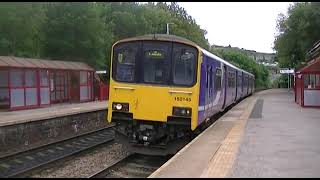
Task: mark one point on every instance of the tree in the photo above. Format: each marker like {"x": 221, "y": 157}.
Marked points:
{"x": 76, "y": 31}
{"x": 21, "y": 29}
{"x": 243, "y": 61}
{"x": 297, "y": 33}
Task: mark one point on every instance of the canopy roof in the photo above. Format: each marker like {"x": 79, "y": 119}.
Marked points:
{"x": 19, "y": 62}
{"x": 312, "y": 67}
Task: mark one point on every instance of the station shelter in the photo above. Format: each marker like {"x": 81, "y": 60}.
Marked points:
{"x": 31, "y": 83}
{"x": 307, "y": 80}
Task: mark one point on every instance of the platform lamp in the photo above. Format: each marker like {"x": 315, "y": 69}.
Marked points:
{"x": 168, "y": 27}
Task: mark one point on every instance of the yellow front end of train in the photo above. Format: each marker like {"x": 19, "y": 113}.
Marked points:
{"x": 152, "y": 103}
{"x": 154, "y": 88}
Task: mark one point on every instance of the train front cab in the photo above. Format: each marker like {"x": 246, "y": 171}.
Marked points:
{"x": 154, "y": 89}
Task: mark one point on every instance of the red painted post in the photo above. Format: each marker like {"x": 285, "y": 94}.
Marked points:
{"x": 38, "y": 86}
{"x": 101, "y": 91}
{"x": 302, "y": 90}
{"x": 9, "y": 87}
{"x": 24, "y": 85}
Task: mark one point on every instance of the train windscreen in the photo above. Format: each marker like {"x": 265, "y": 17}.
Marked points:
{"x": 184, "y": 65}
{"x": 151, "y": 62}
{"x": 125, "y": 58}
{"x": 156, "y": 62}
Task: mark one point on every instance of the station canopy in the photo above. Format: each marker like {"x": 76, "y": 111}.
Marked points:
{"x": 314, "y": 60}
{"x": 18, "y": 62}
{"x": 313, "y": 66}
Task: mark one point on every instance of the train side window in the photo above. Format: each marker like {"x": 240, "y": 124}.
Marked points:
{"x": 239, "y": 80}
{"x": 231, "y": 80}
{"x": 217, "y": 82}
{"x": 207, "y": 77}
{"x": 211, "y": 78}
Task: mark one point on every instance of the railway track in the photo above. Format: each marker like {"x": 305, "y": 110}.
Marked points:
{"x": 19, "y": 164}
{"x": 132, "y": 166}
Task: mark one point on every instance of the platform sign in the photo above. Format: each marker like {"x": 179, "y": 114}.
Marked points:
{"x": 286, "y": 71}
{"x": 101, "y": 72}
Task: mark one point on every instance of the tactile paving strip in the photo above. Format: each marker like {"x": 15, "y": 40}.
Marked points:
{"x": 222, "y": 161}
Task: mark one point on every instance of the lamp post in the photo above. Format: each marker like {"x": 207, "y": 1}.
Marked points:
{"x": 168, "y": 27}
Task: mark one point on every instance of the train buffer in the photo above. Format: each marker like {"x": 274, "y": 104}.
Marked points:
{"x": 265, "y": 135}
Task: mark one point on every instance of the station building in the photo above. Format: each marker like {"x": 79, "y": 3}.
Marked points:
{"x": 307, "y": 80}
{"x": 31, "y": 83}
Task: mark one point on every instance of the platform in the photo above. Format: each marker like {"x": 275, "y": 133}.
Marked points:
{"x": 265, "y": 135}
{"x": 53, "y": 111}
{"x": 283, "y": 142}
{"x": 27, "y": 129}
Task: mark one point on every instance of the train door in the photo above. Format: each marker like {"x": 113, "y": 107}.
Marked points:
{"x": 217, "y": 88}
{"x": 209, "y": 90}
{"x": 253, "y": 85}
{"x": 224, "y": 85}
{"x": 250, "y": 86}
{"x": 247, "y": 79}
{"x": 242, "y": 85}
{"x": 236, "y": 85}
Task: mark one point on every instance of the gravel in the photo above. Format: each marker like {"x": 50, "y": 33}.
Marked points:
{"x": 86, "y": 163}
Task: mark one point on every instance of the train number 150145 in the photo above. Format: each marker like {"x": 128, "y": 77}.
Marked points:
{"x": 182, "y": 99}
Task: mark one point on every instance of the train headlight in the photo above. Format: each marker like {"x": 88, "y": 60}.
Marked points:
{"x": 181, "y": 111}
{"x": 120, "y": 106}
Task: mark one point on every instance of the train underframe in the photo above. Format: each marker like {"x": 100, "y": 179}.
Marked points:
{"x": 156, "y": 138}
{"x": 152, "y": 137}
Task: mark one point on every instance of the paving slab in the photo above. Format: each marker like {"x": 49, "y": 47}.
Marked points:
{"x": 281, "y": 139}
{"x": 193, "y": 160}
{"x": 53, "y": 111}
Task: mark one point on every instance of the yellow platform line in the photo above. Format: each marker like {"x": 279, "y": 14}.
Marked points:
{"x": 222, "y": 162}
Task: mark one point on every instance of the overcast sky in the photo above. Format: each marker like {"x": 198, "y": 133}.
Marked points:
{"x": 249, "y": 25}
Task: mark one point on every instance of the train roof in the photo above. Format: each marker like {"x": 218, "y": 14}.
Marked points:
{"x": 161, "y": 37}
{"x": 222, "y": 60}
{"x": 174, "y": 38}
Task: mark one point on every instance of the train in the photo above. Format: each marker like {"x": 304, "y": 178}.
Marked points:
{"x": 165, "y": 87}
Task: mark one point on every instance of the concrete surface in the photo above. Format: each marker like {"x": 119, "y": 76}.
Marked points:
{"x": 192, "y": 161}
{"x": 53, "y": 111}
{"x": 283, "y": 142}
{"x": 266, "y": 135}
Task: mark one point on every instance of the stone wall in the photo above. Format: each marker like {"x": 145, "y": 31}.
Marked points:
{"x": 24, "y": 136}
